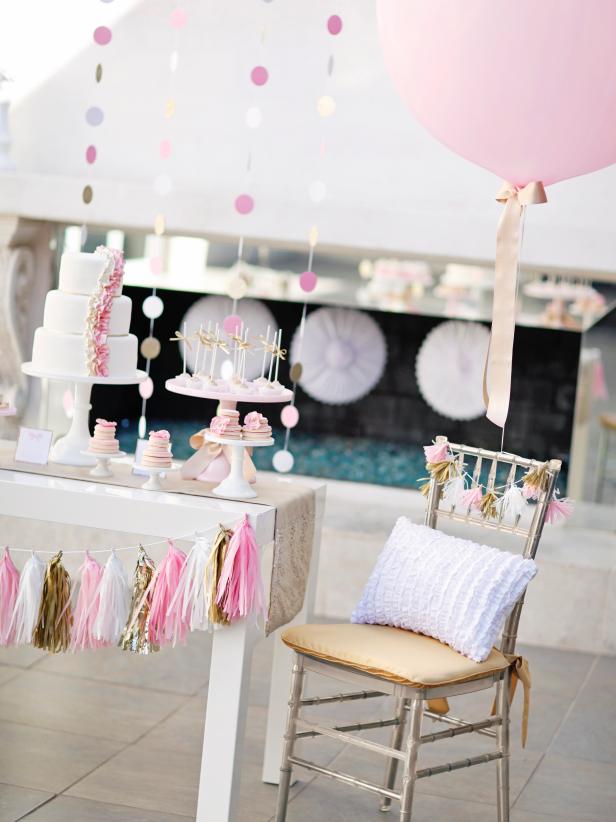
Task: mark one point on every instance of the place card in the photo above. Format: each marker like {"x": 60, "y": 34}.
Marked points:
{"x": 33, "y": 445}
{"x": 139, "y": 449}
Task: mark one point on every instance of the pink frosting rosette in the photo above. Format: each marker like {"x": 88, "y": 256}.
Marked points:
{"x": 253, "y": 421}
{"x": 219, "y": 425}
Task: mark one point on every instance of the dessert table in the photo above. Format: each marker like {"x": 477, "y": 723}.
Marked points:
{"x": 95, "y": 504}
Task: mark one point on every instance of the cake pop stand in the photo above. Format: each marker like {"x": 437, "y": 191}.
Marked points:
{"x": 69, "y": 449}
{"x": 102, "y": 469}
{"x": 236, "y": 485}
{"x": 153, "y": 482}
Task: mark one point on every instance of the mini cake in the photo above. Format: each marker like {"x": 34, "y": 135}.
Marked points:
{"x": 104, "y": 440}
{"x": 226, "y": 424}
{"x": 157, "y": 453}
{"x": 256, "y": 427}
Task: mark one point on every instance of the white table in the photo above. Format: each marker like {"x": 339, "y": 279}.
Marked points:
{"x": 96, "y": 505}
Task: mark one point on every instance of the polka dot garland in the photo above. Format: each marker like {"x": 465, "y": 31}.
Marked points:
{"x": 244, "y": 204}
{"x": 259, "y": 75}
{"x": 334, "y": 24}
{"x": 102, "y": 36}
{"x": 308, "y": 281}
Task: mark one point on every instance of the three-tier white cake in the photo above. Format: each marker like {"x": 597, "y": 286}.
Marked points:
{"x": 86, "y": 321}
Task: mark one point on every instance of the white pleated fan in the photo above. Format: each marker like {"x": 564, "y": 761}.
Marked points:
{"x": 449, "y": 369}
{"x": 343, "y": 355}
{"x": 255, "y": 315}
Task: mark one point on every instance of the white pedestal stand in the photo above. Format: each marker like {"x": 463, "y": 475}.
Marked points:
{"x": 153, "y": 482}
{"x": 69, "y": 449}
{"x": 236, "y": 486}
{"x": 102, "y": 469}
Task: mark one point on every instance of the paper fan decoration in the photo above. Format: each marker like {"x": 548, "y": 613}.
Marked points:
{"x": 255, "y": 315}
{"x": 343, "y": 355}
{"x": 449, "y": 369}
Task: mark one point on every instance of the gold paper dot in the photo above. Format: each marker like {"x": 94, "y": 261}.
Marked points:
{"x": 99, "y": 73}
{"x": 169, "y": 108}
{"x": 87, "y": 194}
{"x": 326, "y": 106}
{"x": 159, "y": 224}
{"x": 296, "y": 372}
{"x": 150, "y": 348}
{"x": 313, "y": 237}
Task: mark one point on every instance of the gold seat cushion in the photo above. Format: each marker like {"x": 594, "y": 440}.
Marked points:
{"x": 391, "y": 653}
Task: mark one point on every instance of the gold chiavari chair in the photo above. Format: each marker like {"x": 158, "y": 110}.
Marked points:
{"x": 435, "y": 671}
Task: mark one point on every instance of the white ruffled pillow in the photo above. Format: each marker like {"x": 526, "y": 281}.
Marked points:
{"x": 449, "y": 588}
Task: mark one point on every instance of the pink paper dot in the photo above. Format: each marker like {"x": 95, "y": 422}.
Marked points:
{"x": 165, "y": 149}
{"x": 156, "y": 265}
{"x": 334, "y": 24}
{"x": 244, "y": 204}
{"x": 232, "y": 324}
{"x": 102, "y": 35}
{"x": 91, "y": 154}
{"x": 178, "y": 18}
{"x": 308, "y": 281}
{"x": 146, "y": 388}
{"x": 289, "y": 416}
{"x": 259, "y": 75}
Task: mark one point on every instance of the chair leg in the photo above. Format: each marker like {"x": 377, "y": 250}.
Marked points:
{"x": 502, "y": 741}
{"x": 397, "y": 737}
{"x": 297, "y": 683}
{"x": 410, "y": 762}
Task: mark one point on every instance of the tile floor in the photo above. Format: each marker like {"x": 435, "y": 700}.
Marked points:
{"x": 108, "y": 736}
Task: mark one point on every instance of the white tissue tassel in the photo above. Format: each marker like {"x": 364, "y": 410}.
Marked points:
{"x": 191, "y": 587}
{"x": 512, "y": 503}
{"x": 25, "y": 613}
{"x": 114, "y": 594}
{"x": 452, "y": 492}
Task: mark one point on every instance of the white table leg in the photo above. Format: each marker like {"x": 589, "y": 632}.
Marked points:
{"x": 280, "y": 686}
{"x": 225, "y": 722}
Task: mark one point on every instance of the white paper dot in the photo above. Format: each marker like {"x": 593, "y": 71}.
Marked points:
{"x": 174, "y": 59}
{"x": 226, "y": 370}
{"x": 317, "y": 191}
{"x": 254, "y": 117}
{"x": 283, "y": 461}
{"x": 162, "y": 184}
{"x": 237, "y": 288}
{"x": 141, "y": 429}
{"x": 153, "y": 307}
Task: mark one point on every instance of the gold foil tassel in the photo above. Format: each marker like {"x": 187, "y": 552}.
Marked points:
{"x": 487, "y": 506}
{"x": 136, "y": 635}
{"x": 213, "y": 571}
{"x": 536, "y": 477}
{"x": 440, "y": 471}
{"x": 55, "y": 617}
{"x": 424, "y": 489}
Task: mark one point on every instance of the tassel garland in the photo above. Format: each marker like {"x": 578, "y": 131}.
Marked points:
{"x": 240, "y": 589}
{"x": 453, "y": 492}
{"x": 167, "y": 625}
{"x": 440, "y": 471}
{"x": 487, "y": 506}
{"x": 558, "y": 510}
{"x": 136, "y": 635}
{"x": 87, "y": 607}
{"x": 512, "y": 503}
{"x": 114, "y": 599}
{"x": 9, "y": 586}
{"x": 55, "y": 617}
{"x": 213, "y": 571}
{"x": 534, "y": 481}
{"x": 190, "y": 596}
{"x": 25, "y": 613}
{"x": 472, "y": 498}
{"x": 436, "y": 453}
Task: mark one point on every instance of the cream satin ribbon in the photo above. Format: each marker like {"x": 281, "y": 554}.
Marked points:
{"x": 497, "y": 373}
{"x": 207, "y": 453}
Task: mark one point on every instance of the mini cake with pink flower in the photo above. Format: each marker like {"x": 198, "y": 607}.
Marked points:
{"x": 104, "y": 440}
{"x": 256, "y": 427}
{"x": 157, "y": 453}
{"x": 226, "y": 424}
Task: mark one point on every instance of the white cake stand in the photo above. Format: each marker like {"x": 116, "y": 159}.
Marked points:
{"x": 102, "y": 469}
{"x": 153, "y": 482}
{"x": 68, "y": 450}
{"x": 235, "y": 484}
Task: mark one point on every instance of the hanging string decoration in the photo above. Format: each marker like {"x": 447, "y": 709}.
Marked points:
{"x": 153, "y": 306}
{"x": 216, "y": 583}
{"x": 283, "y": 459}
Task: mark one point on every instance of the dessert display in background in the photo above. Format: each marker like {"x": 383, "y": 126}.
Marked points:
{"x": 6, "y": 409}
{"x": 157, "y": 453}
{"x": 85, "y": 339}
{"x": 394, "y": 284}
{"x": 104, "y": 440}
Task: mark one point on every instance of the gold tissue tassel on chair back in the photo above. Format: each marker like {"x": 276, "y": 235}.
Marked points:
{"x": 212, "y": 574}
{"x": 136, "y": 635}
{"x": 55, "y": 617}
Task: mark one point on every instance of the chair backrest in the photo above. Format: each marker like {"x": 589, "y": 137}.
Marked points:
{"x": 531, "y": 533}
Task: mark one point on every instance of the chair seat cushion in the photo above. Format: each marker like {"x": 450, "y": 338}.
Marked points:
{"x": 391, "y": 653}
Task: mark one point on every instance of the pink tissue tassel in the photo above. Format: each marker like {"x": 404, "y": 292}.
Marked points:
{"x": 558, "y": 510}
{"x": 86, "y": 609}
{"x": 471, "y": 498}
{"x": 167, "y": 623}
{"x": 436, "y": 453}
{"x": 240, "y": 589}
{"x": 9, "y": 584}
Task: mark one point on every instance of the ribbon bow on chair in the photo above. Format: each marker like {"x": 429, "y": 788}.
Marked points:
{"x": 497, "y": 374}
{"x": 207, "y": 452}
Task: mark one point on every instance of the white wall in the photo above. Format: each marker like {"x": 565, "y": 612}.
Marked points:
{"x": 390, "y": 185}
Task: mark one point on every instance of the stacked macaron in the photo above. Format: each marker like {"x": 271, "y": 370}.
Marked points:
{"x": 104, "y": 440}
{"x": 157, "y": 453}
{"x": 256, "y": 427}
{"x": 226, "y": 424}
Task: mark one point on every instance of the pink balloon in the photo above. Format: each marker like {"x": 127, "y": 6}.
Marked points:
{"x": 289, "y": 416}
{"x": 308, "y": 281}
{"x": 146, "y": 388}
{"x": 525, "y": 89}
{"x": 232, "y": 324}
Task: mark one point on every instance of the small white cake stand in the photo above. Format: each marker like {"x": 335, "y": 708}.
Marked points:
{"x": 153, "y": 482}
{"x": 102, "y": 469}
{"x": 69, "y": 449}
{"x": 235, "y": 484}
